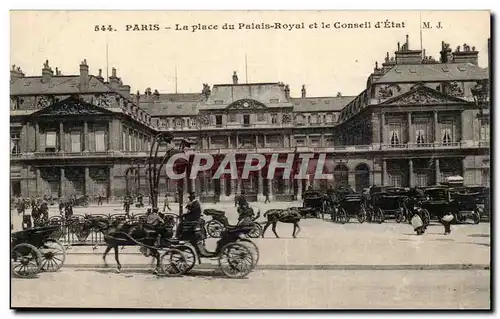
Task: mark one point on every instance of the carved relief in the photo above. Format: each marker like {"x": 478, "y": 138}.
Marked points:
{"x": 43, "y": 101}
{"x": 454, "y": 89}
{"x": 27, "y": 102}
{"x": 106, "y": 100}
{"x": 421, "y": 97}
{"x": 287, "y": 118}
{"x": 71, "y": 107}
{"x": 387, "y": 91}
{"x": 88, "y": 98}
{"x": 204, "y": 120}
{"x": 246, "y": 104}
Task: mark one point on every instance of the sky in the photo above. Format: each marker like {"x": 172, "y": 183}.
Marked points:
{"x": 326, "y": 60}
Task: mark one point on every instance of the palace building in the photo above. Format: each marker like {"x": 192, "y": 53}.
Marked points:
{"x": 417, "y": 122}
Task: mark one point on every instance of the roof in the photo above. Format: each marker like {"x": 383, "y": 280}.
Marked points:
{"x": 311, "y": 104}
{"x": 434, "y": 72}
{"x": 172, "y": 97}
{"x": 33, "y": 85}
{"x": 155, "y": 108}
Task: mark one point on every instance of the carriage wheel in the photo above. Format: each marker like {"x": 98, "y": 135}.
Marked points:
{"x": 53, "y": 255}
{"x": 256, "y": 231}
{"x": 173, "y": 263}
{"x": 476, "y": 217}
{"x": 399, "y": 217}
{"x": 189, "y": 255}
{"x": 381, "y": 216}
{"x": 362, "y": 216}
{"x": 56, "y": 221}
{"x": 214, "y": 229}
{"x": 26, "y": 261}
{"x": 253, "y": 248}
{"x": 236, "y": 260}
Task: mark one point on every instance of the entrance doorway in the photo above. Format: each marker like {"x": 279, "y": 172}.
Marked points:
{"x": 15, "y": 188}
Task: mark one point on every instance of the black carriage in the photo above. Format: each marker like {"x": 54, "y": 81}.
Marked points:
{"x": 82, "y": 201}
{"x": 440, "y": 201}
{"x": 314, "y": 204}
{"x": 219, "y": 222}
{"x": 35, "y": 250}
{"x": 348, "y": 206}
{"x": 388, "y": 205}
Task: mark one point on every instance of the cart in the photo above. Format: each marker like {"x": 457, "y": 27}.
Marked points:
{"x": 34, "y": 250}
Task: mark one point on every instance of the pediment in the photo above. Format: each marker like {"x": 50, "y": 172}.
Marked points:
{"x": 423, "y": 95}
{"x": 246, "y": 104}
{"x": 71, "y": 106}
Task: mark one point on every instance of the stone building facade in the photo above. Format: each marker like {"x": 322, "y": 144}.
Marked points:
{"x": 415, "y": 124}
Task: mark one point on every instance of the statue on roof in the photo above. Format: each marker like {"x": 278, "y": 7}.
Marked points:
{"x": 387, "y": 57}
{"x": 474, "y": 49}
{"x": 13, "y": 67}
{"x": 466, "y": 48}
{"x": 457, "y": 49}
{"x": 46, "y": 64}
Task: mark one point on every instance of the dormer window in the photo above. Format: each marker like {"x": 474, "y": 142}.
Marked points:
{"x": 275, "y": 101}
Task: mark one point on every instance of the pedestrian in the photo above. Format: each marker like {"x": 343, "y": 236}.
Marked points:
{"x": 165, "y": 203}
{"x": 99, "y": 199}
{"x": 446, "y": 221}
{"x": 417, "y": 224}
{"x": 267, "y": 198}
{"x": 126, "y": 204}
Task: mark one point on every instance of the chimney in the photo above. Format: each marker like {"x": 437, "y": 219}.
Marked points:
{"x": 467, "y": 55}
{"x": 47, "y": 72}
{"x": 16, "y": 73}
{"x": 388, "y": 63}
{"x": 303, "y": 91}
{"x": 100, "y": 76}
{"x": 84, "y": 75}
{"x": 339, "y": 94}
{"x": 235, "y": 78}
{"x": 156, "y": 94}
{"x": 114, "y": 81}
{"x": 406, "y": 56}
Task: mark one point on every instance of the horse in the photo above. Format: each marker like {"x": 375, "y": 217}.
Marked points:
{"x": 289, "y": 216}
{"x": 126, "y": 233}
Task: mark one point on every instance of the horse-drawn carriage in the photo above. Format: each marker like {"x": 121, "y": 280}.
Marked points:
{"x": 35, "y": 250}
{"x": 387, "y": 205}
{"x": 348, "y": 206}
{"x": 441, "y": 200}
{"x": 219, "y": 222}
{"x": 314, "y": 204}
{"x": 82, "y": 200}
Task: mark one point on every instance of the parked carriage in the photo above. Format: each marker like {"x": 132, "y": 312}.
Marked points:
{"x": 388, "y": 205}
{"x": 349, "y": 206}
{"x": 462, "y": 205}
{"x": 314, "y": 204}
{"x": 34, "y": 250}
{"x": 82, "y": 201}
{"x": 219, "y": 222}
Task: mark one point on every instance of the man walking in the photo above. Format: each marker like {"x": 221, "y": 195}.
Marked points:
{"x": 165, "y": 203}
{"x": 267, "y": 198}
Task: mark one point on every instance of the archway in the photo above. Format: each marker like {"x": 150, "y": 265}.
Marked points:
{"x": 341, "y": 175}
{"x": 362, "y": 177}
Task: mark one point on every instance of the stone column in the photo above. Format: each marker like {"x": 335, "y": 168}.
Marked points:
{"x": 383, "y": 133}
{"x": 299, "y": 190}
{"x": 229, "y": 141}
{"x": 270, "y": 188}
{"x": 38, "y": 181}
{"x": 209, "y": 142}
{"x": 37, "y": 137}
{"x": 436, "y": 131}
{"x": 110, "y": 138}
{"x": 238, "y": 185}
{"x": 260, "y": 195}
{"x": 87, "y": 180}
{"x": 411, "y": 138}
{"x": 85, "y": 137}
{"x": 237, "y": 142}
{"x": 62, "y": 183}
{"x": 264, "y": 140}
{"x": 111, "y": 193}
{"x": 411, "y": 176}
{"x": 322, "y": 140}
{"x": 437, "y": 170}
{"x": 61, "y": 137}
{"x": 185, "y": 188}
{"x": 256, "y": 141}
{"x": 385, "y": 179}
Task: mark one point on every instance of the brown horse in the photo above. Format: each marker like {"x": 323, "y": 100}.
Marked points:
{"x": 288, "y": 216}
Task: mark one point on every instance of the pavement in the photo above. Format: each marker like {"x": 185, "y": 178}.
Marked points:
{"x": 264, "y": 289}
{"x": 322, "y": 244}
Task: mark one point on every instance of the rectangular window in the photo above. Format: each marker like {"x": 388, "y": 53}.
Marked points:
{"x": 51, "y": 140}
{"x": 329, "y": 141}
{"x": 261, "y": 117}
{"x": 314, "y": 141}
{"x": 448, "y": 130}
{"x": 485, "y": 130}
{"x": 300, "y": 141}
{"x": 218, "y": 120}
{"x": 421, "y": 179}
{"x": 423, "y": 131}
{"x": 329, "y": 118}
{"x": 193, "y": 122}
{"x": 273, "y": 141}
{"x": 15, "y": 143}
{"x": 76, "y": 142}
{"x": 313, "y": 119}
{"x": 246, "y": 120}
{"x": 274, "y": 118}
{"x": 396, "y": 180}
{"x": 100, "y": 141}
{"x": 130, "y": 141}
{"x": 124, "y": 140}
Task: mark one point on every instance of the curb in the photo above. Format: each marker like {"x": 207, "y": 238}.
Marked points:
{"x": 309, "y": 267}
